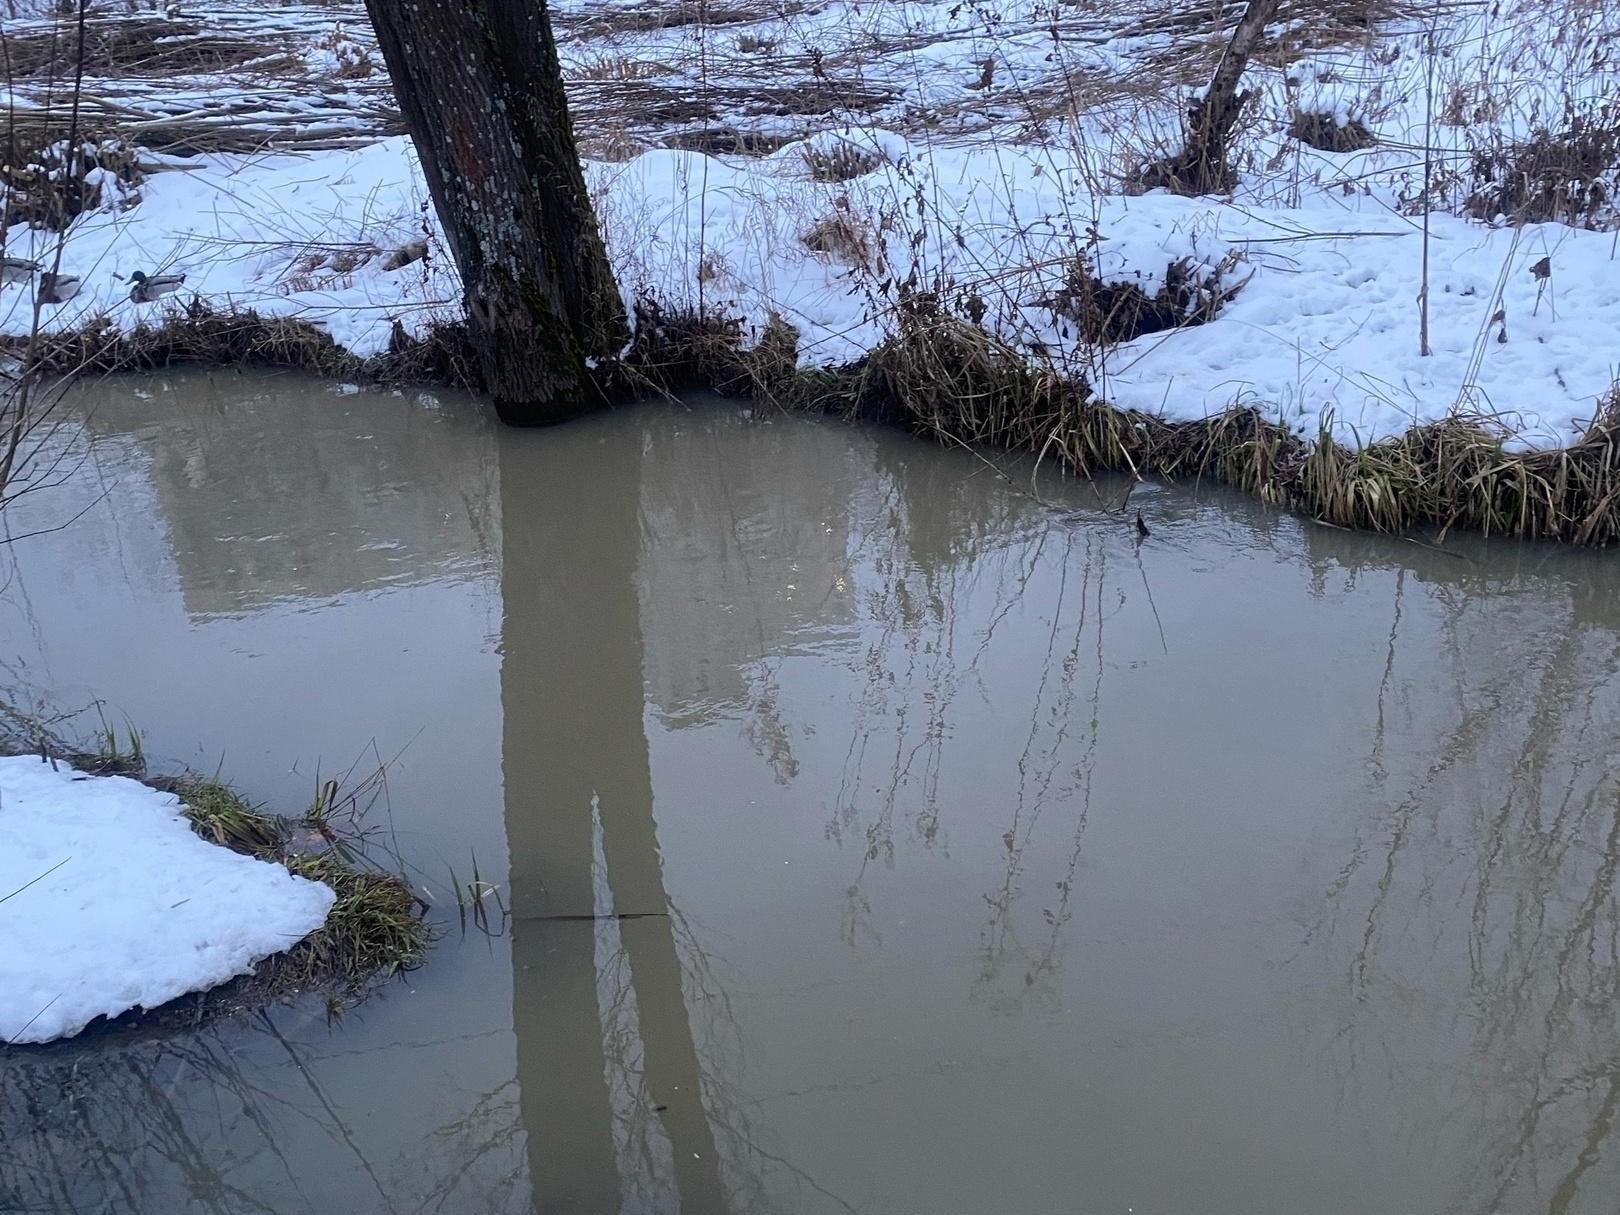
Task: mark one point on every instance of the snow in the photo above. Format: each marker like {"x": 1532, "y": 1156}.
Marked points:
{"x": 109, "y": 901}
{"x": 283, "y": 235}
{"x": 982, "y": 191}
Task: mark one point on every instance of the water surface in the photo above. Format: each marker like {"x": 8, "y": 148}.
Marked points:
{"x": 948, "y": 850}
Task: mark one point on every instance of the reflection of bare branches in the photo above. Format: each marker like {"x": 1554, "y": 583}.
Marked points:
{"x": 1497, "y": 875}
{"x": 920, "y": 589}
{"x": 116, "y": 1127}
{"x": 335, "y": 1121}
{"x": 1376, "y": 760}
{"x": 483, "y": 1148}
{"x": 765, "y": 726}
{"x": 998, "y": 939}
{"x": 634, "y": 1021}
{"x": 721, "y": 1056}
{"x": 218, "y": 1119}
{"x": 1597, "y": 1133}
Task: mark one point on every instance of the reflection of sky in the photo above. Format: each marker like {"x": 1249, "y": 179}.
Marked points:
{"x": 1259, "y": 868}
{"x": 276, "y": 492}
{"x": 140, "y": 603}
{"x": 744, "y": 557}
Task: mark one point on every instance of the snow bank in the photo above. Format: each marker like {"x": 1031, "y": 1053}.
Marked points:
{"x": 956, "y": 184}
{"x": 288, "y": 235}
{"x": 114, "y": 903}
{"x": 1327, "y": 323}
{"x": 1326, "y": 326}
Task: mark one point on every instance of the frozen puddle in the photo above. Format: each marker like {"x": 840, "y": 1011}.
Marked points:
{"x": 109, "y": 901}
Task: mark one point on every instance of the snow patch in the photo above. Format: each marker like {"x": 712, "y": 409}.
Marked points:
{"x": 109, "y": 901}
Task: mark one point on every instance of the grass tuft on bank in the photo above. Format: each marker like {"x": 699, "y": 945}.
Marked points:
{"x": 205, "y": 336}
{"x": 376, "y": 928}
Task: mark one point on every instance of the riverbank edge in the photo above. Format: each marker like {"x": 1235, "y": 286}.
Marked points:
{"x": 376, "y": 929}
{"x": 941, "y": 376}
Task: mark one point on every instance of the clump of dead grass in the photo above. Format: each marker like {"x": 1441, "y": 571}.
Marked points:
{"x": 844, "y": 237}
{"x": 374, "y": 930}
{"x": 1323, "y": 131}
{"x": 611, "y": 142}
{"x": 351, "y": 60}
{"x": 51, "y": 186}
{"x": 947, "y": 376}
{"x": 841, "y": 162}
{"x": 220, "y": 815}
{"x": 1108, "y": 312}
{"x": 615, "y": 67}
{"x": 1568, "y": 176}
{"x": 727, "y": 140}
{"x": 199, "y": 335}
{"x": 686, "y": 349}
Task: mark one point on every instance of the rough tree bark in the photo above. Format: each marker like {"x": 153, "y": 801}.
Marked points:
{"x": 1202, "y": 166}
{"x": 481, "y": 90}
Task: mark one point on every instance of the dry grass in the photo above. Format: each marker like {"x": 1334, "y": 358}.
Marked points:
{"x": 1106, "y": 313}
{"x": 688, "y": 350}
{"x": 231, "y": 78}
{"x": 1570, "y": 176}
{"x": 218, "y": 814}
{"x": 845, "y": 162}
{"x": 616, "y": 67}
{"x": 200, "y": 335}
{"x": 129, "y": 44}
{"x": 374, "y": 930}
{"x": 1325, "y": 133}
{"x": 48, "y": 188}
{"x": 657, "y": 15}
{"x": 727, "y": 141}
{"x": 842, "y": 236}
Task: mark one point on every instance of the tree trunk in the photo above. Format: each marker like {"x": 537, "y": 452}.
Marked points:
{"x": 481, "y": 90}
{"x": 1202, "y": 166}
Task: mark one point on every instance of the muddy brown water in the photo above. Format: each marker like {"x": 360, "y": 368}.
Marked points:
{"x": 971, "y": 856}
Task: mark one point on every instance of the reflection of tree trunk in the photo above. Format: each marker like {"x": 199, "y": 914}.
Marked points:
{"x": 564, "y": 1096}
{"x": 572, "y": 696}
{"x": 671, "y": 1063}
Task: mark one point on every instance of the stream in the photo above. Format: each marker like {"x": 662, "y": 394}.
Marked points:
{"x": 874, "y": 827}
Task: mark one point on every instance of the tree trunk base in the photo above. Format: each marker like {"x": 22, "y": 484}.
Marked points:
{"x": 1202, "y": 166}
{"x": 491, "y": 127}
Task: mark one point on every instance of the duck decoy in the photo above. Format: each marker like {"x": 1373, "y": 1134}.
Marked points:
{"x": 58, "y": 288}
{"x": 13, "y": 269}
{"x": 149, "y": 286}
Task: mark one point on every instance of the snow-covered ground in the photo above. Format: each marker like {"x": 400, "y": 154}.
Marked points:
{"x": 109, "y": 901}
{"x": 989, "y": 145}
